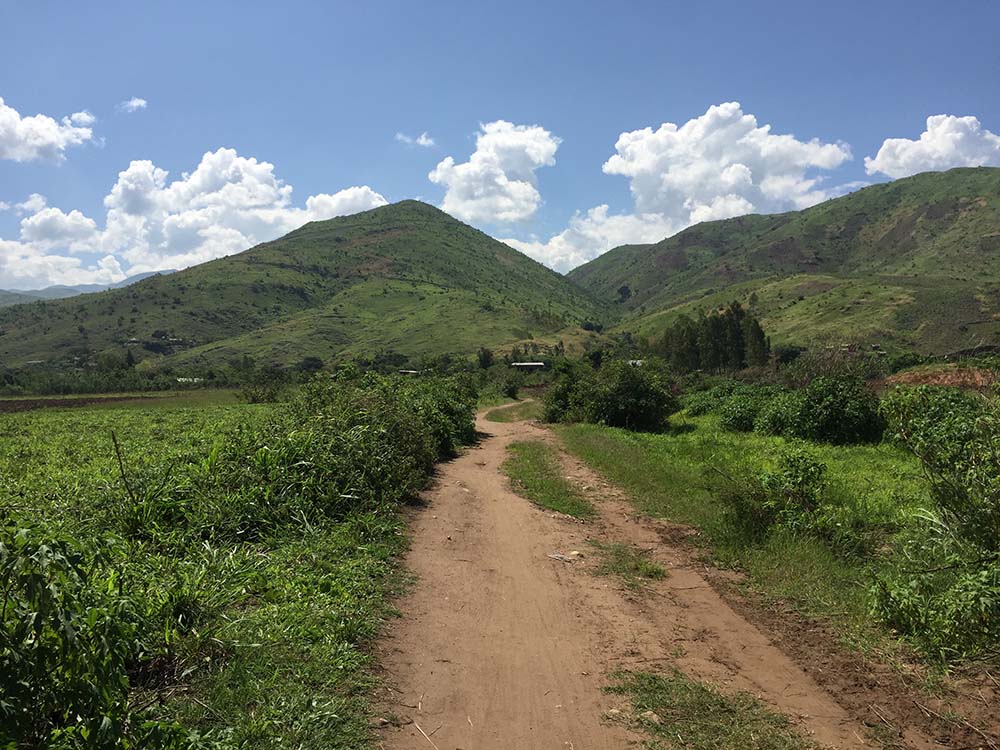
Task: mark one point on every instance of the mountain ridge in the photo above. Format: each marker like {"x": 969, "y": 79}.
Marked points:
{"x": 404, "y": 277}
{"x": 909, "y": 264}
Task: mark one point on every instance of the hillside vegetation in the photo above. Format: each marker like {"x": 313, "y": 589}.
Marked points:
{"x": 911, "y": 264}
{"x": 405, "y": 277}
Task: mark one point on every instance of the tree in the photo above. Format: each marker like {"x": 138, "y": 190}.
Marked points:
{"x": 485, "y": 357}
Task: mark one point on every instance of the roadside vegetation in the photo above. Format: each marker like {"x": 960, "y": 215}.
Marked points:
{"x": 535, "y": 472}
{"x": 208, "y": 578}
{"x": 857, "y": 508}
{"x": 631, "y": 564}
{"x": 679, "y": 712}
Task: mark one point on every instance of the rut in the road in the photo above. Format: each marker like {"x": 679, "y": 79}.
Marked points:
{"x": 500, "y": 646}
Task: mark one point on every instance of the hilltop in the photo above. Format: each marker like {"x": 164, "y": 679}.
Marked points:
{"x": 910, "y": 264}
{"x": 406, "y": 278}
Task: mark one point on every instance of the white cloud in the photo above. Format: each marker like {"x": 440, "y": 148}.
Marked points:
{"x": 4, "y": 206}
{"x": 32, "y": 204}
{"x": 595, "y": 229}
{"x": 132, "y": 105}
{"x": 498, "y": 182}
{"x": 226, "y": 205}
{"x": 83, "y": 119}
{"x": 51, "y": 228}
{"x": 423, "y": 139}
{"x": 718, "y": 165}
{"x": 40, "y": 136}
{"x": 26, "y": 266}
{"x": 948, "y": 141}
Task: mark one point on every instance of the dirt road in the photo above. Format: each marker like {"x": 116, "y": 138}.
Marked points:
{"x": 501, "y": 646}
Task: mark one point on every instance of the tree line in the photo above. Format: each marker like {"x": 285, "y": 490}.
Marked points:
{"x": 728, "y": 339}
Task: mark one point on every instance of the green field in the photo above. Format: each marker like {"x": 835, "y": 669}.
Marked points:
{"x": 674, "y": 476}
{"x": 213, "y": 574}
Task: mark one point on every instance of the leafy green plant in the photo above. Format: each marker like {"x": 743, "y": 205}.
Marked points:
{"x": 944, "y": 587}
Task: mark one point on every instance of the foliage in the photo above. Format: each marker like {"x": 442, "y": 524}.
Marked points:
{"x": 740, "y": 411}
{"x": 619, "y": 394}
{"x": 726, "y": 339}
{"x": 839, "y": 411}
{"x": 944, "y": 589}
{"x": 243, "y": 552}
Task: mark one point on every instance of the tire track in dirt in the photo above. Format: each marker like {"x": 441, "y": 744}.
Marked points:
{"x": 500, "y": 646}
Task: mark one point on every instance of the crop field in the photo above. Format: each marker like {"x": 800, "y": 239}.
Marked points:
{"x": 201, "y": 577}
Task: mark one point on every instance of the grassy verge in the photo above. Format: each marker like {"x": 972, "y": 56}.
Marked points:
{"x": 535, "y": 472}
{"x": 214, "y": 576}
{"x": 678, "y": 712}
{"x": 519, "y": 412}
{"x": 669, "y": 476}
{"x": 628, "y": 563}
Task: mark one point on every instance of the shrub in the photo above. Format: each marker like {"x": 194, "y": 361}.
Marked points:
{"x": 739, "y": 412}
{"x": 780, "y": 414}
{"x": 708, "y": 401}
{"x": 68, "y": 639}
{"x": 633, "y": 397}
{"x": 943, "y": 589}
{"x": 618, "y": 395}
{"x": 838, "y": 410}
{"x": 788, "y": 495}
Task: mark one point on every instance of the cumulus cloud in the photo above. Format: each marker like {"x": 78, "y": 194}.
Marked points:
{"x": 227, "y": 204}
{"x": 40, "y": 137}
{"x": 52, "y": 228}
{"x": 498, "y": 182}
{"x": 720, "y": 164}
{"x": 26, "y": 266}
{"x": 32, "y": 204}
{"x": 597, "y": 228}
{"x": 948, "y": 141}
{"x": 423, "y": 139}
{"x": 132, "y": 105}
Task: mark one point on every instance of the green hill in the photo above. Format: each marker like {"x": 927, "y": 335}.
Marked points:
{"x": 911, "y": 264}
{"x": 405, "y": 277}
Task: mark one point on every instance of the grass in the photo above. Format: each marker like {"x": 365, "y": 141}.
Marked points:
{"x": 535, "y": 473}
{"x": 694, "y": 716}
{"x": 519, "y": 412}
{"x": 629, "y": 563}
{"x": 670, "y": 476}
{"x": 279, "y": 651}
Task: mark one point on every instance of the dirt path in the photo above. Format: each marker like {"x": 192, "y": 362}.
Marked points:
{"x": 501, "y": 646}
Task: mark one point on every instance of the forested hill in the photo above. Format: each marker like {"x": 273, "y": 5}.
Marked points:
{"x": 405, "y": 277}
{"x": 913, "y": 263}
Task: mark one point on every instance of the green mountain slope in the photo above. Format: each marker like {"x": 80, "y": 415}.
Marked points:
{"x": 405, "y": 277}
{"x": 913, "y": 263}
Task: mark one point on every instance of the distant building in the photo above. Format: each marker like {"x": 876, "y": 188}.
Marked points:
{"x": 528, "y": 365}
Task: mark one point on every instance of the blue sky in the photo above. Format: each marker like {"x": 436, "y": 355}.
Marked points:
{"x": 319, "y": 91}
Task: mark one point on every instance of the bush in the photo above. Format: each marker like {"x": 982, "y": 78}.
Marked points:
{"x": 943, "y": 589}
{"x": 81, "y": 628}
{"x": 838, "y": 410}
{"x": 708, "y": 401}
{"x": 788, "y": 495}
{"x": 739, "y": 412}
{"x": 67, "y": 641}
{"x": 618, "y": 395}
{"x": 780, "y": 414}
